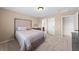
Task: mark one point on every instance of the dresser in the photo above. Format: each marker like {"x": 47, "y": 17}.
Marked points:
{"x": 75, "y": 41}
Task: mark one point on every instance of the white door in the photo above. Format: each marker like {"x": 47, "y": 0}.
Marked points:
{"x": 68, "y": 25}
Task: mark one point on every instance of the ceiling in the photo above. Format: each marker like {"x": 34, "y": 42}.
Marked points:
{"x": 49, "y": 11}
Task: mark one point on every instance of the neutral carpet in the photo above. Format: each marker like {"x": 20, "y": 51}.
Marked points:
{"x": 52, "y": 43}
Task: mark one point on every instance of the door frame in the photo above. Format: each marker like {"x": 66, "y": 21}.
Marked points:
{"x": 62, "y": 23}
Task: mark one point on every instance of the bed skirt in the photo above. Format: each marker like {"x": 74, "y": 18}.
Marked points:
{"x": 36, "y": 44}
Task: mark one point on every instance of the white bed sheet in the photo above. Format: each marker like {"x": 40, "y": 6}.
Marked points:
{"x": 25, "y": 38}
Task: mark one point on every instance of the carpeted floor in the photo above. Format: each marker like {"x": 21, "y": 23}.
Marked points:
{"x": 52, "y": 43}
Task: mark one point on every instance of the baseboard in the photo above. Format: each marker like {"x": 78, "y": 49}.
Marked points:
{"x": 6, "y": 41}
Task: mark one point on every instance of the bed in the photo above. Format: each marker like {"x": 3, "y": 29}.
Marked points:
{"x": 28, "y": 39}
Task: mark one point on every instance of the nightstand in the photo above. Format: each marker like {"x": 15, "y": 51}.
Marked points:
{"x": 37, "y": 28}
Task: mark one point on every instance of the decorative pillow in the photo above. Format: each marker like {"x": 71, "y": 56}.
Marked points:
{"x": 21, "y": 28}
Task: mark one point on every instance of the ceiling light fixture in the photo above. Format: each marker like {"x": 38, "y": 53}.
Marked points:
{"x": 40, "y": 8}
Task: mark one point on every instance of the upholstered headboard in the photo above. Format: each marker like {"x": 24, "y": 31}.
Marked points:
{"x": 22, "y": 23}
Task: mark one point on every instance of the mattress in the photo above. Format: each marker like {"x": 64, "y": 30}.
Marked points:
{"x": 25, "y": 38}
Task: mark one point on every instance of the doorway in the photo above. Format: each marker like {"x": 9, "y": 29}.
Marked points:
{"x": 67, "y": 25}
{"x": 49, "y": 25}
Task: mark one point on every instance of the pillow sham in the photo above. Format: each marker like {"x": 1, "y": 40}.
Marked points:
{"x": 21, "y": 28}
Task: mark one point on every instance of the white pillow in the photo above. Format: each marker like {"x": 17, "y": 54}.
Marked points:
{"x": 21, "y": 28}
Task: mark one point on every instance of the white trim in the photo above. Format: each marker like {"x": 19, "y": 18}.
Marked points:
{"x": 76, "y": 20}
{"x": 61, "y": 24}
{"x": 5, "y": 41}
